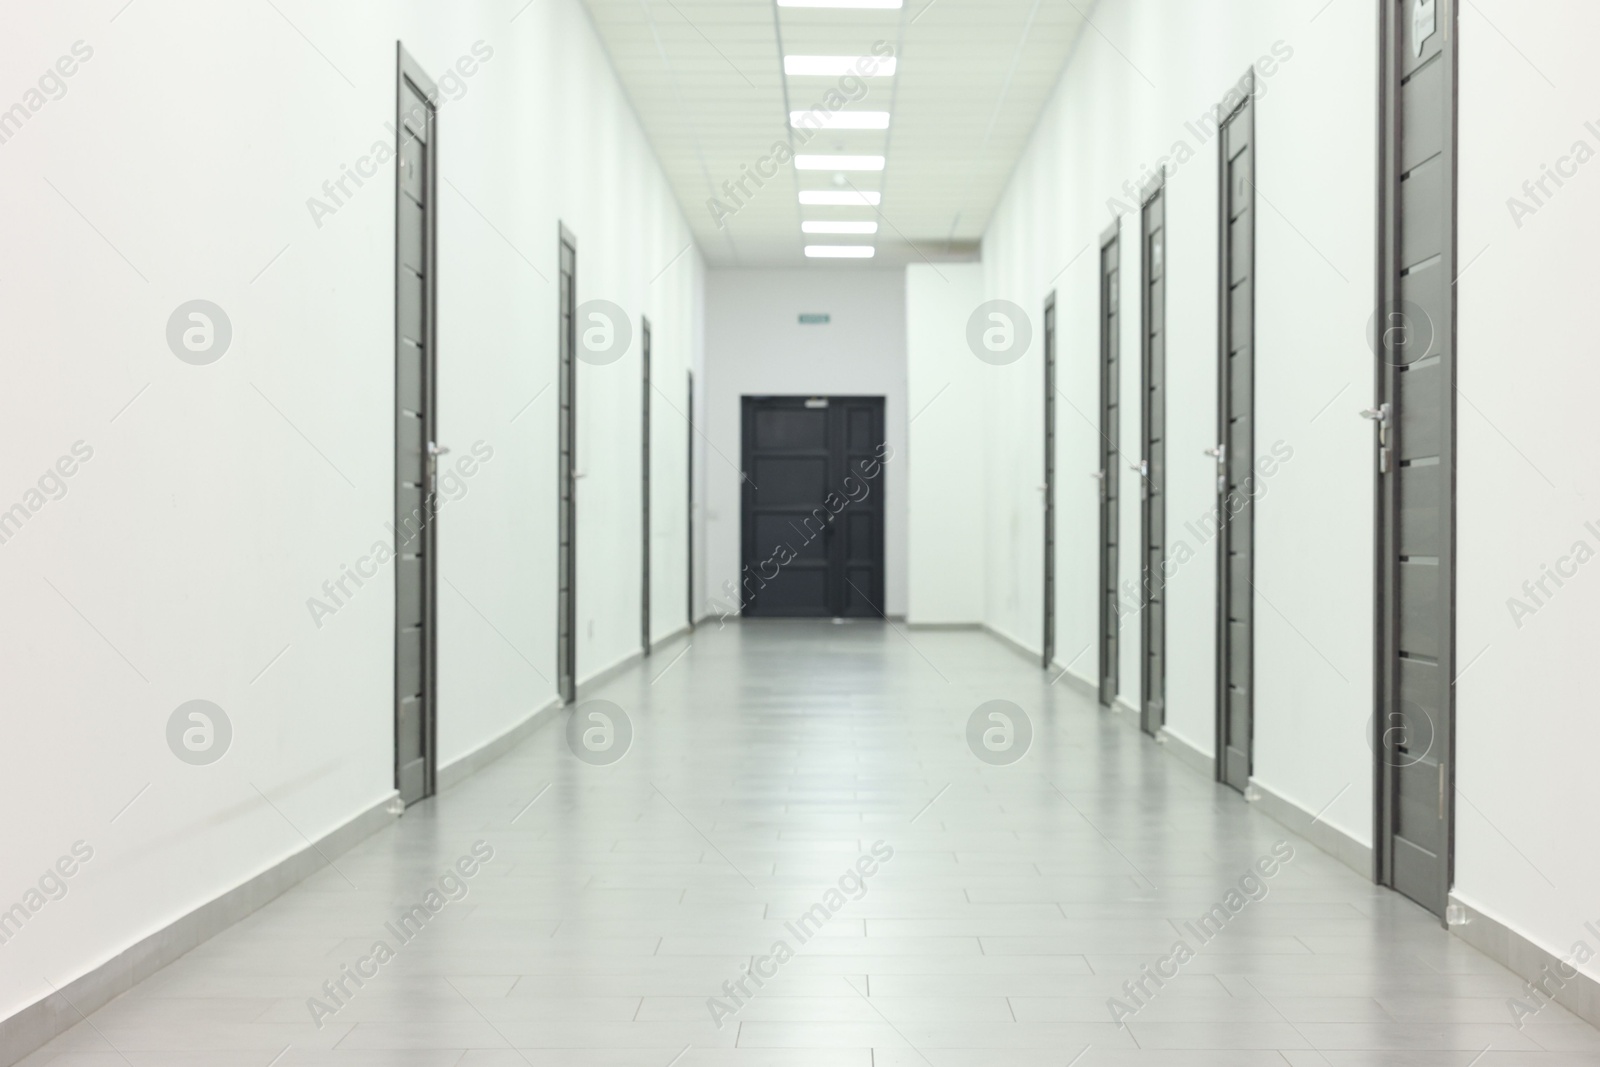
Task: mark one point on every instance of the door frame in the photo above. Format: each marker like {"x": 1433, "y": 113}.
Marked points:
{"x": 409, "y": 72}
{"x": 1050, "y": 370}
{"x": 1152, "y": 477}
{"x": 644, "y": 478}
{"x": 1386, "y": 490}
{"x": 1110, "y": 647}
{"x": 567, "y": 469}
{"x": 1244, "y": 111}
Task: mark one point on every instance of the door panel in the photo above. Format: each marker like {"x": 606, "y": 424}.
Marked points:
{"x": 1236, "y": 463}
{"x": 567, "y": 469}
{"x": 812, "y": 522}
{"x": 1153, "y": 488}
{"x": 1049, "y": 621}
{"x": 415, "y": 568}
{"x": 644, "y": 478}
{"x": 1110, "y": 460}
{"x": 1414, "y": 727}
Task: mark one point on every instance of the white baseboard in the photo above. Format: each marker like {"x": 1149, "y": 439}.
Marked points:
{"x": 58, "y": 1012}
{"x": 1579, "y": 994}
{"x": 1335, "y": 842}
{"x": 1030, "y": 654}
{"x": 1187, "y": 754}
{"x": 460, "y": 769}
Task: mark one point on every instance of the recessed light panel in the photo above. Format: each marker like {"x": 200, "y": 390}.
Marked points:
{"x": 820, "y": 226}
{"x": 834, "y": 198}
{"x": 834, "y": 66}
{"x": 840, "y": 251}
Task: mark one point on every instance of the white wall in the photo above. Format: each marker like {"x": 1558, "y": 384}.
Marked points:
{"x": 756, "y": 346}
{"x": 947, "y": 447}
{"x": 1527, "y": 483}
{"x": 219, "y": 498}
{"x": 1107, "y": 126}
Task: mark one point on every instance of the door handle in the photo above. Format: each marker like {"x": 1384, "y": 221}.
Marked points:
{"x": 1381, "y": 416}
{"x": 1098, "y": 474}
{"x": 435, "y": 451}
{"x": 1220, "y": 453}
{"x": 1143, "y": 467}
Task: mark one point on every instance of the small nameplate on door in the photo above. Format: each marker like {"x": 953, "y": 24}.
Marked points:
{"x": 815, "y": 319}
{"x": 1424, "y": 23}
{"x": 817, "y": 402}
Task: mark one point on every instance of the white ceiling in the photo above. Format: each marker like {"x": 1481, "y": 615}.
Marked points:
{"x": 706, "y": 77}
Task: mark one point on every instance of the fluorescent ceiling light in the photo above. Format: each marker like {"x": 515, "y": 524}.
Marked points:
{"x": 818, "y": 119}
{"x": 838, "y": 162}
{"x": 833, "y": 198}
{"x": 838, "y": 227}
{"x": 834, "y": 66}
{"x": 879, "y": 5}
{"x": 840, "y": 251}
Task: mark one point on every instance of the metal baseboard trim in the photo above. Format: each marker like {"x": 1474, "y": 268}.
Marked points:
{"x": 1335, "y": 842}
{"x": 60, "y": 1011}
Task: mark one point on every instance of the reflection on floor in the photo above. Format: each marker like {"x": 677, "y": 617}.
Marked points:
{"x": 802, "y": 861}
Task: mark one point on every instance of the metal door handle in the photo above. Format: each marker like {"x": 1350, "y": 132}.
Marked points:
{"x": 1143, "y": 467}
{"x": 435, "y": 451}
{"x": 1098, "y": 474}
{"x": 1379, "y": 414}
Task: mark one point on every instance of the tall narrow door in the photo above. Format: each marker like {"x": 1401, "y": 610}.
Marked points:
{"x": 688, "y": 483}
{"x": 813, "y": 507}
{"x": 1049, "y": 486}
{"x": 1110, "y": 454}
{"x": 1153, "y": 461}
{"x": 644, "y": 480}
{"x": 567, "y": 472}
{"x": 1235, "y": 452}
{"x": 1415, "y": 416}
{"x": 415, "y": 448}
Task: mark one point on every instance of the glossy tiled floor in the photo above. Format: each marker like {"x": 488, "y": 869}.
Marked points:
{"x": 766, "y": 760}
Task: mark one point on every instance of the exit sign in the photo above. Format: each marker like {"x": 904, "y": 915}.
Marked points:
{"x": 815, "y": 319}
